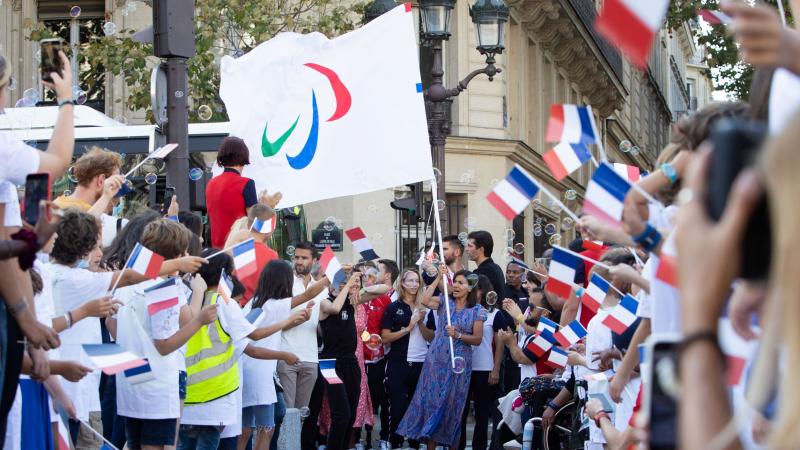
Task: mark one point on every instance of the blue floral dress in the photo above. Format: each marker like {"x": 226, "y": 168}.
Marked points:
{"x": 441, "y": 394}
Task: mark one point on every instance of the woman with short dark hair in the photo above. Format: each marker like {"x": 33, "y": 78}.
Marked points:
{"x": 229, "y": 195}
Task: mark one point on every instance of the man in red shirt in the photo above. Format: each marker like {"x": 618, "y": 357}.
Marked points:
{"x": 264, "y": 253}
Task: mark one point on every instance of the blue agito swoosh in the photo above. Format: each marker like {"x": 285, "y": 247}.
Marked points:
{"x": 303, "y": 159}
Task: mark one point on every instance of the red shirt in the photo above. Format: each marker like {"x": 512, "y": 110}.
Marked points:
{"x": 264, "y": 254}
{"x": 228, "y": 195}
{"x": 377, "y": 307}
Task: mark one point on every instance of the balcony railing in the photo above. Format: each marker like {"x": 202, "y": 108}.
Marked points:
{"x": 586, "y": 11}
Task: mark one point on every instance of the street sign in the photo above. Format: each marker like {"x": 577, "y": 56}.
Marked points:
{"x": 321, "y": 237}
{"x": 158, "y": 94}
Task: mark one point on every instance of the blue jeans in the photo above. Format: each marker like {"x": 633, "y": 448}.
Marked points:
{"x": 198, "y": 437}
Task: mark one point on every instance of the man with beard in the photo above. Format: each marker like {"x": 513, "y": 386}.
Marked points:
{"x": 452, "y": 254}
{"x": 298, "y": 380}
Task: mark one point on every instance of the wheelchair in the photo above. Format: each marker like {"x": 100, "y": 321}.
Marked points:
{"x": 569, "y": 429}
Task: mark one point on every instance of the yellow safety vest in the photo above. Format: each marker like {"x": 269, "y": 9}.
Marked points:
{"x": 211, "y": 370}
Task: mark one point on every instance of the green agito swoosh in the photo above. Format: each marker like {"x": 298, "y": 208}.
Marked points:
{"x": 272, "y": 148}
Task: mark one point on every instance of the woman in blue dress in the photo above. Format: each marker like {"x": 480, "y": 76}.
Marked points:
{"x": 434, "y": 415}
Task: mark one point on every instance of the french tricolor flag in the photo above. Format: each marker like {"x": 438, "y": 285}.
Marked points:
{"x": 244, "y": 258}
{"x": 570, "y": 334}
{"x": 558, "y": 358}
{"x": 63, "y": 440}
{"x": 596, "y": 246}
{"x": 596, "y": 293}
{"x": 329, "y": 264}
{"x": 562, "y": 273}
{"x": 265, "y": 226}
{"x": 162, "y": 296}
{"x": 666, "y": 270}
{"x": 539, "y": 345}
{"x": 605, "y": 194}
{"x": 513, "y": 193}
{"x": 361, "y": 243}
{"x": 565, "y": 158}
{"x": 112, "y": 358}
{"x": 328, "y": 369}
{"x": 145, "y": 261}
{"x": 571, "y": 124}
{"x": 630, "y": 173}
{"x": 623, "y": 315}
{"x": 225, "y": 287}
{"x": 546, "y": 324}
{"x": 631, "y": 26}
{"x": 138, "y": 375}
{"x": 162, "y": 152}
{"x": 715, "y": 17}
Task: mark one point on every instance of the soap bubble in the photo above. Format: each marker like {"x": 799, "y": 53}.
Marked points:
{"x": 472, "y": 280}
{"x": 131, "y": 6}
{"x": 377, "y": 237}
{"x": 195, "y": 173}
{"x": 440, "y": 205}
{"x": 508, "y": 251}
{"x": 459, "y": 364}
{"x": 365, "y": 336}
{"x": 537, "y": 230}
{"x": 71, "y": 174}
{"x": 555, "y": 207}
{"x": 437, "y": 174}
{"x": 150, "y": 178}
{"x": 550, "y": 228}
{"x": 567, "y": 224}
{"x": 519, "y": 248}
{"x": 12, "y": 84}
{"x": 290, "y": 251}
{"x": 555, "y": 240}
{"x": 536, "y": 203}
{"x": 539, "y": 220}
{"x": 178, "y": 94}
{"x": 373, "y": 209}
{"x": 75, "y": 12}
{"x": 31, "y": 94}
{"x": 491, "y": 298}
{"x": 466, "y": 177}
{"x": 122, "y": 120}
{"x": 470, "y": 222}
{"x": 510, "y": 234}
{"x": 339, "y": 223}
{"x": 374, "y": 342}
{"x": 204, "y": 112}
{"x": 329, "y": 223}
{"x": 494, "y": 182}
{"x": 431, "y": 270}
{"x": 463, "y": 236}
{"x": 625, "y": 146}
{"x": 79, "y": 95}
{"x": 67, "y": 193}
{"x": 304, "y": 412}
{"x": 24, "y": 103}
{"x": 109, "y": 28}
{"x": 570, "y": 194}
{"x": 635, "y": 150}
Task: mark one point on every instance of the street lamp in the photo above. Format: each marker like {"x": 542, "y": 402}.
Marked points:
{"x": 377, "y": 8}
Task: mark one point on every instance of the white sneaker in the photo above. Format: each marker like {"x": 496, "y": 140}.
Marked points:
{"x": 383, "y": 445}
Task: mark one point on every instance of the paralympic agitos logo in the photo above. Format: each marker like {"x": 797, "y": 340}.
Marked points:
{"x": 306, "y": 154}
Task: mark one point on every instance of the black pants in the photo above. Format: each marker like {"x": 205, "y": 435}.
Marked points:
{"x": 13, "y": 366}
{"x": 376, "y": 373}
{"x": 401, "y": 382}
{"x": 510, "y": 376}
{"x": 343, "y": 402}
{"x": 483, "y": 395}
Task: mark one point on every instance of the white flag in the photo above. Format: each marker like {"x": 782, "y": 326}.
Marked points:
{"x": 330, "y": 118}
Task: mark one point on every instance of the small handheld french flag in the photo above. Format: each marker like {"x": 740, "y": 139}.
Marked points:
{"x": 328, "y": 369}
{"x": 630, "y": 173}
{"x": 265, "y": 226}
{"x": 513, "y": 193}
{"x": 666, "y": 271}
{"x": 361, "y": 243}
{"x": 558, "y": 358}
{"x": 546, "y": 324}
{"x": 162, "y": 296}
{"x": 715, "y": 17}
{"x": 145, "y": 261}
{"x": 138, "y": 375}
{"x": 571, "y": 124}
{"x": 623, "y": 315}
{"x": 565, "y": 158}
{"x": 162, "y": 152}
{"x": 329, "y": 264}
{"x": 225, "y": 287}
{"x": 571, "y": 333}
{"x": 605, "y": 194}
{"x": 112, "y": 358}
{"x": 631, "y": 26}
{"x": 539, "y": 345}
{"x": 562, "y": 273}
{"x": 596, "y": 293}
{"x": 244, "y": 258}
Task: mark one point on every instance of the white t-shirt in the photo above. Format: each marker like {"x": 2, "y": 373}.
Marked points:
{"x": 9, "y": 197}
{"x": 417, "y": 345}
{"x": 598, "y": 337}
{"x": 665, "y": 300}
{"x": 109, "y": 228}
{"x": 19, "y": 159}
{"x": 483, "y": 355}
{"x": 784, "y": 99}
{"x": 235, "y": 429}
{"x": 645, "y": 309}
{"x": 259, "y": 389}
{"x": 72, "y": 287}
{"x": 302, "y": 339}
{"x": 223, "y": 411}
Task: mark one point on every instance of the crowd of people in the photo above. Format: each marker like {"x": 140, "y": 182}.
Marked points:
{"x": 414, "y": 351}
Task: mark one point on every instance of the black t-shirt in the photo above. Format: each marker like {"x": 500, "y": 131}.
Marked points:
{"x": 518, "y": 295}
{"x": 397, "y": 316}
{"x": 339, "y": 334}
{"x": 495, "y": 275}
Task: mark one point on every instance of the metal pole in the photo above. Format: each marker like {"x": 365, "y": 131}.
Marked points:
{"x": 177, "y": 128}
{"x": 437, "y": 107}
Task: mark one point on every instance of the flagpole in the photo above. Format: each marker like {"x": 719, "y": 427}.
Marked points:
{"x": 147, "y": 158}
{"x": 119, "y": 277}
{"x": 783, "y": 12}
{"x": 585, "y": 258}
{"x": 597, "y": 137}
{"x": 227, "y": 248}
{"x": 438, "y": 225}
{"x": 558, "y": 202}
{"x": 100, "y": 435}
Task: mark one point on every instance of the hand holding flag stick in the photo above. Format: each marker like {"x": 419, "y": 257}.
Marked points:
{"x": 438, "y": 223}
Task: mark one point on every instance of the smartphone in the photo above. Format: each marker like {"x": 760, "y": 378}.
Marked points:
{"x": 736, "y": 146}
{"x": 661, "y": 394}
{"x": 51, "y": 62}
{"x": 169, "y": 191}
{"x": 37, "y": 188}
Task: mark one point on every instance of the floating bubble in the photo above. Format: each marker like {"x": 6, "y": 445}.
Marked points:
{"x": 109, "y": 28}
{"x": 290, "y": 251}
{"x": 339, "y": 223}
{"x": 37, "y": 55}
{"x": 567, "y": 224}
{"x": 431, "y": 270}
{"x": 195, "y": 173}
{"x": 519, "y": 248}
{"x": 374, "y": 342}
{"x": 635, "y": 150}
{"x": 570, "y": 194}
{"x": 536, "y": 203}
{"x": 365, "y": 336}
{"x": 329, "y": 223}
{"x": 555, "y": 240}
{"x": 472, "y": 280}
{"x": 470, "y": 222}
{"x": 440, "y": 205}
{"x": 12, "y": 84}
{"x": 238, "y": 53}
{"x": 304, "y": 412}
{"x": 625, "y": 146}
{"x": 466, "y": 177}
{"x": 555, "y": 207}
{"x": 539, "y": 220}
{"x": 79, "y": 95}
{"x": 508, "y": 251}
{"x": 178, "y": 94}
{"x": 377, "y": 237}
{"x": 459, "y": 364}
{"x": 204, "y": 112}
{"x": 66, "y": 193}
{"x": 373, "y": 209}
{"x": 75, "y": 12}
{"x": 494, "y": 182}
{"x": 24, "y": 103}
{"x": 550, "y": 228}
{"x": 122, "y": 120}
{"x": 71, "y": 174}
{"x": 463, "y": 236}
{"x": 510, "y": 234}
{"x": 150, "y": 178}
{"x": 31, "y": 95}
{"x": 437, "y": 174}
{"x": 537, "y": 230}
{"x": 491, "y": 298}
{"x": 131, "y": 6}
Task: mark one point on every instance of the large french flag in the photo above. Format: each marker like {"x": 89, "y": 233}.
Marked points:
{"x": 562, "y": 273}
{"x": 539, "y": 345}
{"x": 565, "y": 158}
{"x": 138, "y": 375}
{"x": 361, "y": 243}
{"x": 244, "y": 258}
{"x": 623, "y": 315}
{"x": 557, "y": 359}
{"x": 145, "y": 261}
{"x": 595, "y": 294}
{"x": 571, "y": 333}
{"x": 328, "y": 369}
{"x": 111, "y": 358}
{"x": 605, "y": 194}
{"x": 571, "y": 124}
{"x": 513, "y": 193}
{"x": 162, "y": 296}
{"x": 630, "y": 173}
{"x": 329, "y": 263}
{"x": 631, "y": 26}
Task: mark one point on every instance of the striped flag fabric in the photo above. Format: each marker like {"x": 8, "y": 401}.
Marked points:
{"x": 631, "y": 26}
{"x": 605, "y": 194}
{"x": 596, "y": 246}
{"x": 225, "y": 287}
{"x": 596, "y": 293}
{"x": 162, "y": 152}
{"x": 513, "y": 193}
{"x": 244, "y": 258}
{"x": 329, "y": 264}
{"x": 667, "y": 270}
{"x": 558, "y": 358}
{"x": 138, "y": 375}
{"x": 539, "y": 345}
{"x": 112, "y": 358}
{"x": 623, "y": 315}
{"x": 162, "y": 296}
{"x": 361, "y": 243}
{"x": 630, "y": 173}
{"x": 571, "y": 333}
{"x": 565, "y": 158}
{"x": 265, "y": 226}
{"x": 518, "y": 262}
{"x": 571, "y": 124}
{"x": 328, "y": 369}
{"x": 562, "y": 273}
{"x": 145, "y": 261}
{"x": 546, "y": 324}
{"x": 715, "y": 17}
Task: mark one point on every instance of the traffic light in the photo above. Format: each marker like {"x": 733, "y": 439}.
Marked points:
{"x": 413, "y": 204}
{"x": 173, "y": 28}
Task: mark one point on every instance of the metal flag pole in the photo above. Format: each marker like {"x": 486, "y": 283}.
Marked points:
{"x": 438, "y": 224}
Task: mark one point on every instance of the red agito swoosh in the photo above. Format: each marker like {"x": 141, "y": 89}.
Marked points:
{"x": 343, "y": 98}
